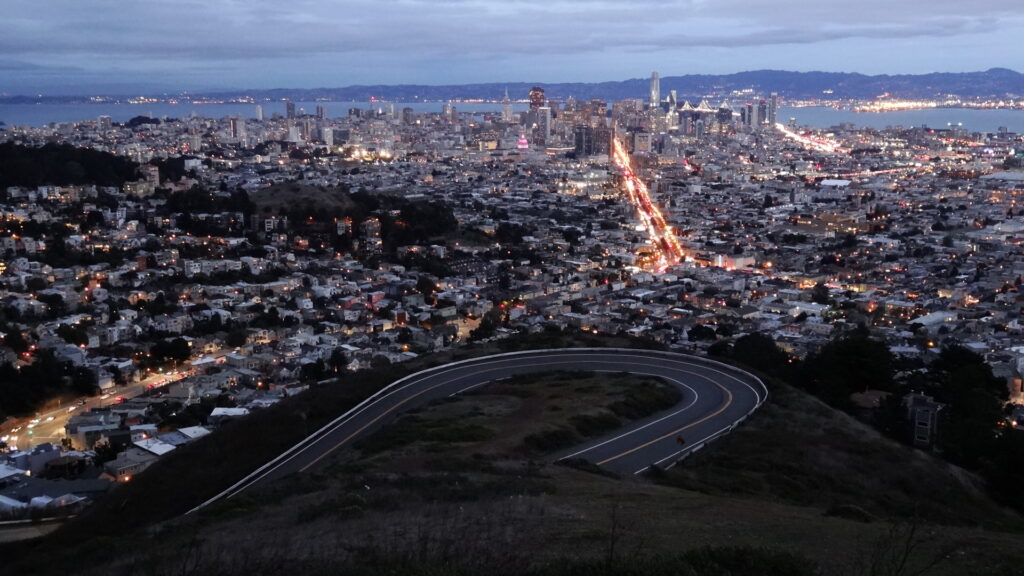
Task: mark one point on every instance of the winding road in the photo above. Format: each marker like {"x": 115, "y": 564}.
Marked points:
{"x": 715, "y": 398}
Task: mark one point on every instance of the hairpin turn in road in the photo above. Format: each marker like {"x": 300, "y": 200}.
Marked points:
{"x": 715, "y": 398}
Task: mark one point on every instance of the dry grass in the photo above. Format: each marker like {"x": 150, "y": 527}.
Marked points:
{"x": 427, "y": 500}
{"x": 799, "y": 451}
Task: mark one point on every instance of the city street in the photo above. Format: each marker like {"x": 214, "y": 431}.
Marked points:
{"x": 23, "y": 433}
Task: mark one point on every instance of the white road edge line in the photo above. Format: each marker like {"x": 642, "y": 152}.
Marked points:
{"x": 411, "y": 379}
{"x": 653, "y": 422}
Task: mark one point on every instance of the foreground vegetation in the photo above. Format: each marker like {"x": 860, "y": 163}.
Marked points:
{"x": 799, "y": 451}
{"x": 468, "y": 486}
{"x": 61, "y": 165}
{"x": 195, "y": 472}
{"x": 972, "y": 428}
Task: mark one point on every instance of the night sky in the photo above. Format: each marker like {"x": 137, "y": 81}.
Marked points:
{"x": 127, "y": 46}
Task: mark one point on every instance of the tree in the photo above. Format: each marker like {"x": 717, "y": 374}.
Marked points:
{"x": 73, "y": 334}
{"x": 15, "y": 340}
{"x": 489, "y": 324}
{"x": 820, "y": 293}
{"x": 338, "y": 360}
{"x": 118, "y": 376}
{"x": 761, "y": 353}
{"x": 1004, "y": 470}
{"x": 850, "y": 363}
{"x": 174, "y": 349}
{"x": 105, "y": 452}
{"x": 425, "y": 285}
{"x": 54, "y": 303}
{"x": 61, "y": 165}
{"x": 311, "y": 371}
{"x": 720, "y": 348}
{"x": 236, "y": 338}
{"x": 700, "y": 332}
{"x": 974, "y": 398}
{"x": 35, "y": 284}
{"x": 83, "y": 381}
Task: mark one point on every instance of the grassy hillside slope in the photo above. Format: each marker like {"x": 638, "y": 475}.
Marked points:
{"x": 466, "y": 486}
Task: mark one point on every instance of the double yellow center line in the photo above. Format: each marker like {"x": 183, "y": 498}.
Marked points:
{"x": 722, "y": 408}
{"x": 725, "y": 405}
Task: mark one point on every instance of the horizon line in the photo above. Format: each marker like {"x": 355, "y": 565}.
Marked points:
{"x": 236, "y": 90}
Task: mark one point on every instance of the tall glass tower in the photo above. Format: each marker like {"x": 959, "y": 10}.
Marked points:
{"x": 655, "y": 90}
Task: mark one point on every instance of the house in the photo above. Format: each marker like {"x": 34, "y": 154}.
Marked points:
{"x": 34, "y": 461}
{"x": 923, "y": 416}
{"x": 221, "y": 415}
{"x": 128, "y": 463}
{"x": 86, "y": 428}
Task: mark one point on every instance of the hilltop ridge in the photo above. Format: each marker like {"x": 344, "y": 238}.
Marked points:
{"x": 991, "y": 83}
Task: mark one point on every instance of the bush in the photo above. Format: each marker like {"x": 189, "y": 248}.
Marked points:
{"x": 645, "y": 399}
{"x": 588, "y": 425}
{"x": 550, "y": 440}
{"x": 412, "y": 428}
{"x": 850, "y": 512}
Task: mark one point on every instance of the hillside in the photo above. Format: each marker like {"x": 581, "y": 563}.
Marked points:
{"x": 62, "y": 165}
{"x": 996, "y": 82}
{"x": 800, "y": 451}
{"x": 466, "y": 486}
{"x": 288, "y": 196}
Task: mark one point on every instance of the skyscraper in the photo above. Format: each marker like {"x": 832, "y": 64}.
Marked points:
{"x": 536, "y": 97}
{"x": 544, "y": 122}
{"x": 773, "y": 109}
{"x": 321, "y": 111}
{"x": 724, "y": 116}
{"x": 506, "y": 108}
{"x": 655, "y": 90}
{"x": 237, "y": 124}
{"x": 289, "y": 108}
{"x": 259, "y": 112}
{"x": 603, "y": 139}
{"x": 583, "y": 140}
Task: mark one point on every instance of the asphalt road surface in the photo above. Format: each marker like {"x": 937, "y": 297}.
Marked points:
{"x": 715, "y": 397}
{"x": 48, "y": 424}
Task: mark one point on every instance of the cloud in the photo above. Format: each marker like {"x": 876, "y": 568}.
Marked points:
{"x": 31, "y": 68}
{"x": 192, "y": 36}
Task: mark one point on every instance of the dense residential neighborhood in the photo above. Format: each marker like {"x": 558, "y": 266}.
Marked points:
{"x": 245, "y": 260}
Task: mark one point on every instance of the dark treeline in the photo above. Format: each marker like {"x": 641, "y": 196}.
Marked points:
{"x": 24, "y": 389}
{"x": 972, "y": 430}
{"x": 61, "y": 165}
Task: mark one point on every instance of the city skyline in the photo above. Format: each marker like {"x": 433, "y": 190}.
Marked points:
{"x": 108, "y": 47}
{"x": 494, "y": 310}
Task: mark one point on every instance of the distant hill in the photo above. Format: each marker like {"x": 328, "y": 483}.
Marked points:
{"x": 279, "y": 198}
{"x": 61, "y": 165}
{"x": 996, "y": 82}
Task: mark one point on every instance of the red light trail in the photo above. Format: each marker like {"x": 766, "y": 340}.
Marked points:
{"x": 664, "y": 239}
